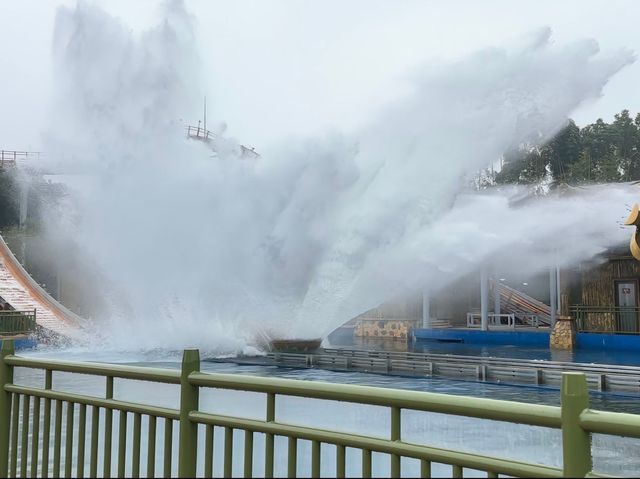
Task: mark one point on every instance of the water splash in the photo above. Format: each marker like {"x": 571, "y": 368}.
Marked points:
{"x": 211, "y": 252}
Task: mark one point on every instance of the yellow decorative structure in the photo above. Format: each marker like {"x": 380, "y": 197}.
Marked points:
{"x": 634, "y": 219}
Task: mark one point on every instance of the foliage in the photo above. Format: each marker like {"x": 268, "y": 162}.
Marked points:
{"x": 40, "y": 197}
{"x": 9, "y": 209}
{"x": 597, "y": 153}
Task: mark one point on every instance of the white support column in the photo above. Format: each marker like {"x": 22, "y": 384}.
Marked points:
{"x": 23, "y": 251}
{"x": 558, "y": 289}
{"x": 426, "y": 309}
{"x": 496, "y": 295}
{"x": 484, "y": 299}
{"x": 58, "y": 280}
{"x": 553, "y": 292}
{"x": 23, "y": 206}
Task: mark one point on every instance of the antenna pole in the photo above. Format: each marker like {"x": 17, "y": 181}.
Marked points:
{"x": 205, "y": 114}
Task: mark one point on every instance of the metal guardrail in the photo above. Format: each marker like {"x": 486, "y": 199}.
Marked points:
{"x": 474, "y": 320}
{"x": 600, "y": 377}
{"x": 533, "y": 319}
{"x": 13, "y": 157}
{"x": 17, "y": 322}
{"x": 202, "y": 134}
{"x": 27, "y": 448}
{"x": 606, "y": 319}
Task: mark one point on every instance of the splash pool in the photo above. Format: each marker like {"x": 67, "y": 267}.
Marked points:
{"x": 611, "y": 454}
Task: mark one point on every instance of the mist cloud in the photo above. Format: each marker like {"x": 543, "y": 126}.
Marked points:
{"x": 209, "y": 251}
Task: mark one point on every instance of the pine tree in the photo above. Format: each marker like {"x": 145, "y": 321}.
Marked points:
{"x": 9, "y": 211}
{"x": 563, "y": 151}
{"x": 625, "y": 137}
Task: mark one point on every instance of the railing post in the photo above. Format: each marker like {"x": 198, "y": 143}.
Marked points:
{"x": 188, "y": 440}
{"x": 395, "y": 436}
{"x": 576, "y": 442}
{"x": 6, "y": 377}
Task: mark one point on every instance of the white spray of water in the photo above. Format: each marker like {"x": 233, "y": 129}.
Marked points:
{"x": 209, "y": 251}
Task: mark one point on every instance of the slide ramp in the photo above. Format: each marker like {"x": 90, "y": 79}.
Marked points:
{"x": 521, "y": 304}
{"x": 22, "y": 292}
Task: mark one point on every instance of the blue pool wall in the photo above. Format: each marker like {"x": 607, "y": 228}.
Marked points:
{"x": 24, "y": 343}
{"x": 617, "y": 342}
{"x": 528, "y": 338}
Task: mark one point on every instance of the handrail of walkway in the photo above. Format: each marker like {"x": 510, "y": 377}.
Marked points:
{"x": 17, "y": 322}
{"x": 605, "y": 319}
{"x": 200, "y": 133}
{"x": 12, "y": 157}
{"x": 73, "y": 434}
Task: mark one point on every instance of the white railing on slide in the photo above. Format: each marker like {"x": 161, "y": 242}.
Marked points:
{"x": 474, "y": 320}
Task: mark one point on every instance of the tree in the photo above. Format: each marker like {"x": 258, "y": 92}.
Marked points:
{"x": 599, "y": 152}
{"x": 563, "y": 151}
{"x": 522, "y": 165}
{"x": 9, "y": 209}
{"x": 625, "y": 137}
{"x": 608, "y": 170}
{"x": 582, "y": 170}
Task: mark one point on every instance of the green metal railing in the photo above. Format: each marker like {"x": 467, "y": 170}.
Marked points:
{"x": 17, "y": 322}
{"x": 606, "y": 319}
{"x": 49, "y": 433}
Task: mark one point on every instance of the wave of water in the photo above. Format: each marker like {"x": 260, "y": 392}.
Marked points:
{"x": 214, "y": 252}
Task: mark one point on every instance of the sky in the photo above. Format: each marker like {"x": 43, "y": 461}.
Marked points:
{"x": 279, "y": 69}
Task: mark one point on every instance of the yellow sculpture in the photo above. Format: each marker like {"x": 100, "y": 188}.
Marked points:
{"x": 634, "y": 219}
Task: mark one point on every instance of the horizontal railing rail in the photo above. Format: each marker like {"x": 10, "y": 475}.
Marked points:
{"x": 600, "y": 377}
{"x": 534, "y": 415}
{"x": 373, "y": 319}
{"x": 533, "y": 319}
{"x": 604, "y": 309}
{"x": 199, "y": 133}
{"x": 420, "y": 356}
{"x": 606, "y": 319}
{"x": 17, "y": 322}
{"x": 46, "y": 432}
{"x": 13, "y": 157}
{"x": 157, "y": 375}
{"x": 474, "y": 320}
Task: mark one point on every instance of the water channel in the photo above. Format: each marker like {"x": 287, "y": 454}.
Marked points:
{"x": 612, "y": 455}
